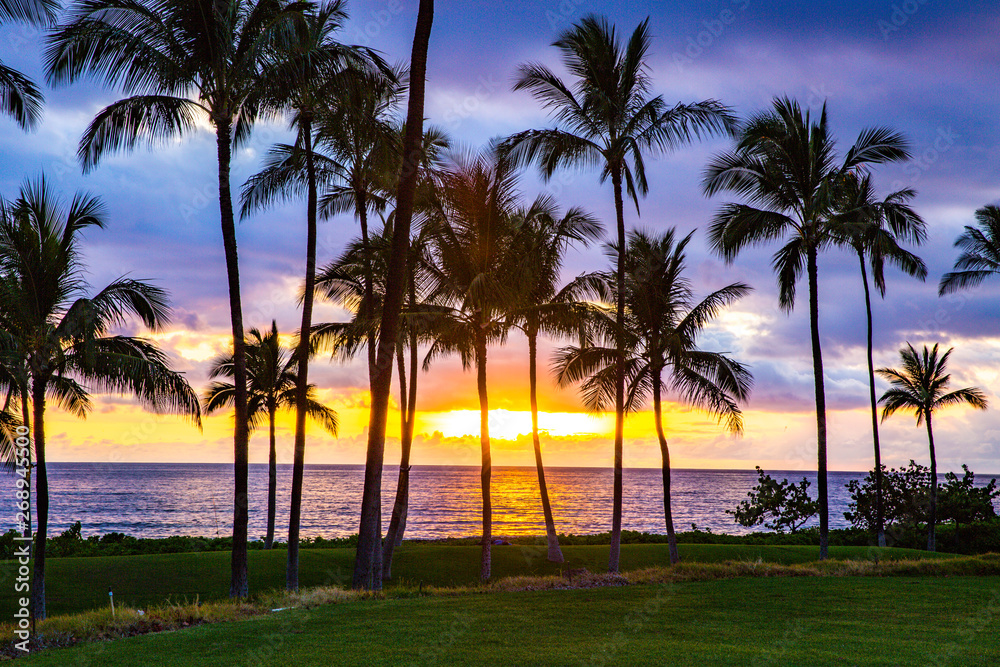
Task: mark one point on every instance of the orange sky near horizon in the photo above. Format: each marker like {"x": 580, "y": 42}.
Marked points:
{"x": 119, "y": 431}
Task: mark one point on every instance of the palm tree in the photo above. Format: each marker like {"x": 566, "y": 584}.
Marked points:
{"x": 179, "y": 60}
{"x": 63, "y": 336}
{"x": 606, "y": 117}
{"x": 543, "y": 309}
{"x": 343, "y": 282}
{"x": 20, "y": 98}
{"x": 307, "y": 65}
{"x": 273, "y": 386}
{"x": 367, "y": 569}
{"x": 475, "y": 247}
{"x": 662, "y": 324}
{"x": 980, "y": 256}
{"x": 919, "y": 388}
{"x": 786, "y": 166}
{"x": 873, "y": 230}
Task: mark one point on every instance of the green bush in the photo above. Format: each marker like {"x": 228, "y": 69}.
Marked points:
{"x": 778, "y": 506}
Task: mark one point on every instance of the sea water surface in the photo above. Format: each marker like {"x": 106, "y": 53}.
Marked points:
{"x": 164, "y": 499}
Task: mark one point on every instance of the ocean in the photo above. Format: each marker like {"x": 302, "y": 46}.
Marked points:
{"x": 164, "y": 499}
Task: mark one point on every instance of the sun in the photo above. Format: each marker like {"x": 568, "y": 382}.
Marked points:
{"x": 509, "y": 424}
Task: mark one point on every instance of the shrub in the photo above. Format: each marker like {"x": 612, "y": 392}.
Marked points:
{"x": 777, "y": 505}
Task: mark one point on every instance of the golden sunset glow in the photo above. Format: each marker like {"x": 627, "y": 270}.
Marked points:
{"x": 508, "y": 424}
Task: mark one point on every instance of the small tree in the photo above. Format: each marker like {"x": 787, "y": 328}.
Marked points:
{"x": 906, "y": 497}
{"x": 777, "y": 505}
{"x": 962, "y": 502}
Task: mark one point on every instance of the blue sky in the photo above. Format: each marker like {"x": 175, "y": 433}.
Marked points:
{"x": 926, "y": 68}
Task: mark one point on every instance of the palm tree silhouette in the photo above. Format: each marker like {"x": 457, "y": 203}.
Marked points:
{"x": 180, "y": 60}
{"x": 786, "y": 166}
{"x": 367, "y": 568}
{"x": 20, "y": 98}
{"x": 980, "y": 256}
{"x": 273, "y": 386}
{"x": 472, "y": 235}
{"x": 873, "y": 230}
{"x": 605, "y": 117}
{"x": 343, "y": 282}
{"x": 307, "y": 65}
{"x": 662, "y": 324}
{"x": 63, "y": 337}
{"x": 919, "y": 388}
{"x": 543, "y": 309}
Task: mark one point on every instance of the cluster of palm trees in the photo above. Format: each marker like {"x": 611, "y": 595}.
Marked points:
{"x": 57, "y": 340}
{"x": 458, "y": 260}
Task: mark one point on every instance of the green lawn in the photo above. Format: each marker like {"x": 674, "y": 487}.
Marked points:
{"x": 745, "y": 621}
{"x": 78, "y": 584}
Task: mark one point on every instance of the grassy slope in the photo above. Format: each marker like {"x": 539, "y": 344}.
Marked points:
{"x": 78, "y": 584}
{"x": 814, "y": 621}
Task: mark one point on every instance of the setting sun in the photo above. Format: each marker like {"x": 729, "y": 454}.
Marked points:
{"x": 508, "y": 424}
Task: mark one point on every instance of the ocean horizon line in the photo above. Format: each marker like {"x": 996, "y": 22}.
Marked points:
{"x": 439, "y": 466}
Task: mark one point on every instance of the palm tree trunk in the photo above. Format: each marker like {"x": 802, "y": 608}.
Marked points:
{"x": 665, "y": 455}
{"x": 487, "y": 466}
{"x": 370, "y": 529}
{"x": 302, "y": 369}
{"x": 272, "y": 478}
{"x": 555, "y": 553}
{"x": 817, "y": 354}
{"x": 41, "y": 501}
{"x": 879, "y": 507}
{"x": 403, "y": 480}
{"x": 361, "y": 205}
{"x": 238, "y": 586}
{"x": 616, "y": 512}
{"x": 411, "y": 407}
{"x": 370, "y": 348}
{"x": 932, "y": 519}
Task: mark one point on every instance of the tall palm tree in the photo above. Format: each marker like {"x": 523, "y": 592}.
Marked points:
{"x": 786, "y": 166}
{"x": 544, "y": 309}
{"x": 63, "y": 335}
{"x": 273, "y": 386}
{"x": 343, "y": 282}
{"x": 180, "y": 60}
{"x": 308, "y": 63}
{"x": 367, "y": 568}
{"x": 919, "y": 388}
{"x": 20, "y": 98}
{"x": 349, "y": 161}
{"x": 980, "y": 256}
{"x": 473, "y": 237}
{"x": 662, "y": 324}
{"x": 606, "y": 117}
{"x": 873, "y": 230}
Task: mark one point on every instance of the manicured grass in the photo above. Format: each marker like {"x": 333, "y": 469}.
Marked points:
{"x": 759, "y": 621}
{"x": 79, "y": 584}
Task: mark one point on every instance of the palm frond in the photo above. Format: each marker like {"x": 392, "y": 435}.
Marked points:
{"x": 122, "y": 125}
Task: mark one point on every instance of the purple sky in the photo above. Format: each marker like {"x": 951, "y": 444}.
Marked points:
{"x": 924, "y": 67}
